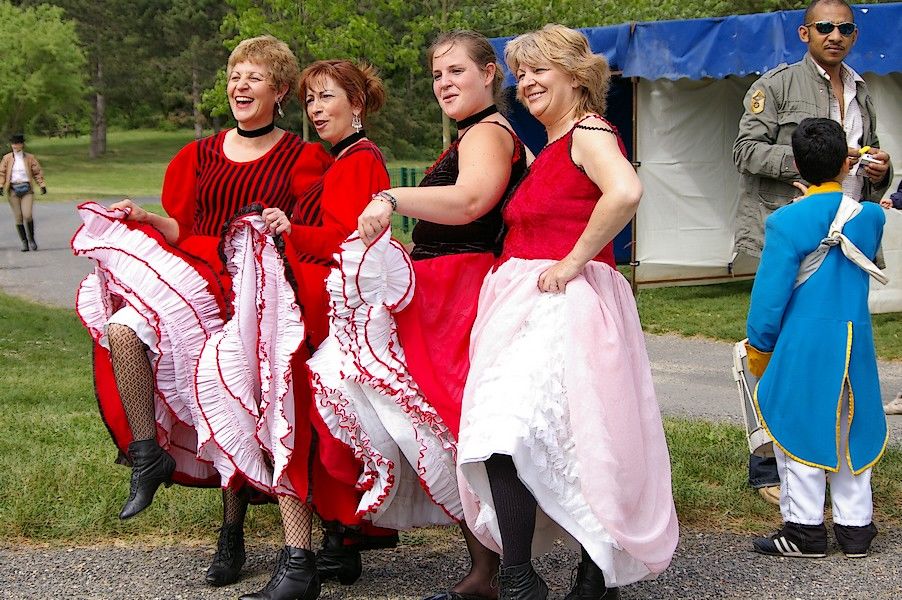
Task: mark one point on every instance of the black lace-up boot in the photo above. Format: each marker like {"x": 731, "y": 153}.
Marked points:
{"x": 521, "y": 582}
{"x": 229, "y": 557}
{"x": 337, "y": 560}
{"x": 151, "y": 467}
{"x": 294, "y": 577}
{"x": 590, "y": 584}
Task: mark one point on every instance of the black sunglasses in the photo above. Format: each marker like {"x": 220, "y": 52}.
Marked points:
{"x": 826, "y": 27}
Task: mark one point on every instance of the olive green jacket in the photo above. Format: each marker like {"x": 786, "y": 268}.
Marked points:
{"x": 774, "y": 106}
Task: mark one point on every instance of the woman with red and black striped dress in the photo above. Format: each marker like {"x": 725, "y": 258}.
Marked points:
{"x": 159, "y": 288}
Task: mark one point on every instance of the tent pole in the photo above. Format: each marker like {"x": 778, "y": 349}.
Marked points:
{"x": 633, "y": 264}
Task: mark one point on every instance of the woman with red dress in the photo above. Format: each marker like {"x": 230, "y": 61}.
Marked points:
{"x": 159, "y": 289}
{"x": 561, "y": 435}
{"x": 456, "y": 239}
{"x": 338, "y": 96}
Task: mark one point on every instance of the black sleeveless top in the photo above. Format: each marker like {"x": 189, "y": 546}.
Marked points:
{"x": 482, "y": 235}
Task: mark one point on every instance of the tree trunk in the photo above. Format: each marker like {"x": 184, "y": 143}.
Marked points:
{"x": 98, "y": 116}
{"x": 195, "y": 100}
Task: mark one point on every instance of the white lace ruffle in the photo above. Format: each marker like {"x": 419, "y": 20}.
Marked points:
{"x": 369, "y": 401}
{"x": 244, "y": 378}
{"x": 133, "y": 268}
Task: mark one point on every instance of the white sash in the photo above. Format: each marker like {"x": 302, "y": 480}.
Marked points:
{"x": 848, "y": 209}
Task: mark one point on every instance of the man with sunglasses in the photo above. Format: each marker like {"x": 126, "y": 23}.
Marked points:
{"x": 819, "y": 85}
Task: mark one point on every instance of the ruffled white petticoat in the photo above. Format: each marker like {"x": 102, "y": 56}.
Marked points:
{"x": 134, "y": 270}
{"x": 562, "y": 384}
{"x": 244, "y": 379}
{"x": 368, "y": 400}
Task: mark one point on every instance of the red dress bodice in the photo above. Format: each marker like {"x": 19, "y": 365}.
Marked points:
{"x": 552, "y": 205}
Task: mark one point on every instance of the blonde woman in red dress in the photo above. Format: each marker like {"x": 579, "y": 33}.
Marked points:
{"x": 561, "y": 435}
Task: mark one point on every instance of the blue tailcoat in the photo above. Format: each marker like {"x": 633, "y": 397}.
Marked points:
{"x": 820, "y": 335}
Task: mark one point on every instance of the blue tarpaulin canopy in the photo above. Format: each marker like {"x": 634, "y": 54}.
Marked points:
{"x": 738, "y": 45}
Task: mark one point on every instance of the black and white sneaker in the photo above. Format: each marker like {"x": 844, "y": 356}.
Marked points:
{"x": 795, "y": 541}
{"x": 855, "y": 542}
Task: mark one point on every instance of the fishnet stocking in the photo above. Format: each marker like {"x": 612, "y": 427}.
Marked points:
{"x": 297, "y": 521}
{"x": 234, "y": 507}
{"x": 134, "y": 378}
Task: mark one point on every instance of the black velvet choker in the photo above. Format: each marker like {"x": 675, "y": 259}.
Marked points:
{"x": 473, "y": 119}
{"x": 256, "y": 132}
{"x": 354, "y": 137}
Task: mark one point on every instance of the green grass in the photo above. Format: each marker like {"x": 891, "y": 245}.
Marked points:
{"x": 56, "y": 458}
{"x": 134, "y": 164}
{"x": 60, "y": 484}
{"x": 719, "y": 312}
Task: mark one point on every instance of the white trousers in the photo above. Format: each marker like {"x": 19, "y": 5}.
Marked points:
{"x": 803, "y": 488}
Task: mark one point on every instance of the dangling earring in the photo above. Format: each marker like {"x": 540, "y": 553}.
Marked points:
{"x": 279, "y": 108}
{"x": 356, "y": 123}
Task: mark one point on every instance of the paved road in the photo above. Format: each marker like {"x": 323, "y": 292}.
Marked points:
{"x": 692, "y": 376}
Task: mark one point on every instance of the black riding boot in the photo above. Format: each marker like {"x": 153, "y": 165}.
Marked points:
{"x": 23, "y": 237}
{"x": 294, "y": 577}
{"x": 29, "y": 229}
{"x": 151, "y": 467}
{"x": 590, "y": 583}
{"x": 337, "y": 560}
{"x": 229, "y": 557}
{"x": 521, "y": 582}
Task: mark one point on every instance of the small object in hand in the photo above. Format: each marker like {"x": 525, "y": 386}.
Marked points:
{"x": 869, "y": 159}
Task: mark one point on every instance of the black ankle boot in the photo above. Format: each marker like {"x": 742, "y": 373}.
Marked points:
{"x": 29, "y": 229}
{"x": 151, "y": 467}
{"x": 521, "y": 582}
{"x": 590, "y": 583}
{"x": 336, "y": 560}
{"x": 23, "y": 236}
{"x": 294, "y": 577}
{"x": 229, "y": 557}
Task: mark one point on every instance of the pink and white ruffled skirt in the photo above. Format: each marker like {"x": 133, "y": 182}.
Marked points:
{"x": 562, "y": 384}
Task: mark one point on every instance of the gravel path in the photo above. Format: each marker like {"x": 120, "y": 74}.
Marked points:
{"x": 706, "y": 565}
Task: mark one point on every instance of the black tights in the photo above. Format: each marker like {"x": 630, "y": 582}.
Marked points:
{"x": 515, "y": 507}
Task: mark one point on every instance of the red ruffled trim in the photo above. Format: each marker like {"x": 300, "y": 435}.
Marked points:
{"x": 136, "y": 267}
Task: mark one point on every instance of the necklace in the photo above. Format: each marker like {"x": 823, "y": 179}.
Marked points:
{"x": 252, "y": 133}
{"x": 346, "y": 142}
{"x": 476, "y": 118}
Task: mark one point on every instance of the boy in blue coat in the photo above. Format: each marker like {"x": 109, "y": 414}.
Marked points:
{"x": 812, "y": 346}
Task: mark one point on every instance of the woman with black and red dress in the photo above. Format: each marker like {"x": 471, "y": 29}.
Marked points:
{"x": 458, "y": 204}
{"x": 159, "y": 289}
{"x": 338, "y": 96}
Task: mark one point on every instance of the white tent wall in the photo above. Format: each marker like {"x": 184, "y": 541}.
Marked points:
{"x": 685, "y": 131}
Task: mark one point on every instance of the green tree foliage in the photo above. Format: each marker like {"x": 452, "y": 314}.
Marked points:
{"x": 43, "y": 68}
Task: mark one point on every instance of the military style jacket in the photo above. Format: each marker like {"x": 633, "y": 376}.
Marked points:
{"x": 818, "y": 346}
{"x": 774, "y": 106}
